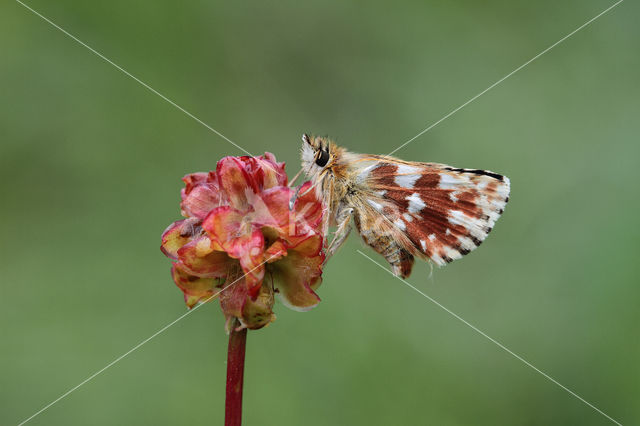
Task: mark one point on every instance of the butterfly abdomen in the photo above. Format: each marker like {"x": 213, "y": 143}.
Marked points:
{"x": 401, "y": 260}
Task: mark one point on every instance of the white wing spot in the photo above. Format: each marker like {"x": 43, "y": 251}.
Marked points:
{"x": 415, "y": 203}
{"x": 475, "y": 226}
{"x": 458, "y": 218}
{"x": 363, "y": 174}
{"x": 406, "y": 176}
{"x": 452, "y": 182}
{"x": 423, "y": 243}
{"x": 400, "y": 224}
{"x": 407, "y": 217}
{"x": 432, "y": 237}
{"x": 375, "y": 205}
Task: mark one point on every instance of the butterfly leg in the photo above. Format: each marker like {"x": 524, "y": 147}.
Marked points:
{"x": 343, "y": 219}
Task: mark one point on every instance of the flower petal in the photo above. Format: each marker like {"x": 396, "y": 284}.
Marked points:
{"x": 192, "y": 180}
{"x": 249, "y": 249}
{"x": 177, "y": 235}
{"x": 201, "y": 200}
{"x": 271, "y": 208}
{"x": 200, "y": 258}
{"x": 308, "y": 210}
{"x": 223, "y": 224}
{"x": 299, "y": 273}
{"x": 275, "y": 251}
{"x": 294, "y": 291}
{"x": 274, "y": 174}
{"x": 195, "y": 289}
{"x": 309, "y": 246}
{"x": 235, "y": 180}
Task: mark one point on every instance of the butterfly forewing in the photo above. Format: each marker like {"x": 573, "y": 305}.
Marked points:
{"x": 445, "y": 212}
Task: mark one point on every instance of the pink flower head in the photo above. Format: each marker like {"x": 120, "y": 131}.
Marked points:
{"x": 241, "y": 240}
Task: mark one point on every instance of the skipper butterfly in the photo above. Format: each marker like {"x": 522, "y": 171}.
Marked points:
{"x": 403, "y": 209}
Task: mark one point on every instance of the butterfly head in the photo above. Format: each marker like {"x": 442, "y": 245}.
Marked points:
{"x": 318, "y": 154}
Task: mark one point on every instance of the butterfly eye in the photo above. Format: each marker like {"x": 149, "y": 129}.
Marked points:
{"x": 323, "y": 158}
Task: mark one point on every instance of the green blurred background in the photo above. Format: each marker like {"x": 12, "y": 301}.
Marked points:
{"x": 90, "y": 166}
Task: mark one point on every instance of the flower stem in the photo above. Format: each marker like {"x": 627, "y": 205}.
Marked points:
{"x": 235, "y": 375}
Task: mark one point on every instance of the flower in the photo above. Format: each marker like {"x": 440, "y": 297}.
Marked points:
{"x": 241, "y": 241}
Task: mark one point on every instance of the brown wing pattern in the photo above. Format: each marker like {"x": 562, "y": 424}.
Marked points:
{"x": 445, "y": 212}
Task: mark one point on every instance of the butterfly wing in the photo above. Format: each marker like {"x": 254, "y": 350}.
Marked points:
{"x": 444, "y": 212}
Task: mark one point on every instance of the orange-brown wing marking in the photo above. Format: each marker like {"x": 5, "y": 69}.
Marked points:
{"x": 445, "y": 212}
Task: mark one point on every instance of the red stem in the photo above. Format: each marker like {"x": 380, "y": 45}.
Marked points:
{"x": 235, "y": 374}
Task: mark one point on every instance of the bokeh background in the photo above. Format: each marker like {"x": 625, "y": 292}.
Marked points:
{"x": 90, "y": 168}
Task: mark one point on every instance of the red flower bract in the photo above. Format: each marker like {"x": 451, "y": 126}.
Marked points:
{"x": 241, "y": 240}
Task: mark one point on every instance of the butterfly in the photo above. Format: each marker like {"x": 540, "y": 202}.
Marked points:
{"x": 403, "y": 209}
